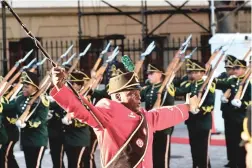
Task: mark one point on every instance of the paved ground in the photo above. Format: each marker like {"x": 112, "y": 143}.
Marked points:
{"x": 181, "y": 157}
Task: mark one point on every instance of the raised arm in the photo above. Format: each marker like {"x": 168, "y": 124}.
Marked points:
{"x": 70, "y": 103}
{"x": 167, "y": 116}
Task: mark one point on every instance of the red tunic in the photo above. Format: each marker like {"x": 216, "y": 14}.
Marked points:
{"x": 119, "y": 122}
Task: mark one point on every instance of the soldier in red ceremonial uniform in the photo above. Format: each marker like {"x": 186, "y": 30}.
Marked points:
{"x": 124, "y": 130}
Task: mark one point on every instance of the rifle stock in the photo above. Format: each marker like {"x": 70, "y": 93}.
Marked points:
{"x": 97, "y": 63}
{"x": 247, "y": 54}
{"x": 227, "y": 93}
{"x": 241, "y": 86}
{"x": 169, "y": 73}
{"x": 213, "y": 56}
{"x": 5, "y": 79}
{"x": 206, "y": 82}
{"x": 138, "y": 66}
{"x": 90, "y": 83}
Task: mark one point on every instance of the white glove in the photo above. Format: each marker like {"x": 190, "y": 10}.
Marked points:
{"x": 224, "y": 99}
{"x": 66, "y": 121}
{"x": 195, "y": 111}
{"x": 236, "y": 102}
{"x": 20, "y": 124}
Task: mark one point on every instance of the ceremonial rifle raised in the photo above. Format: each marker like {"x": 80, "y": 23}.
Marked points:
{"x": 207, "y": 83}
{"x": 13, "y": 69}
{"x": 12, "y": 94}
{"x": 98, "y": 73}
{"x": 13, "y": 79}
{"x": 139, "y": 64}
{"x": 170, "y": 70}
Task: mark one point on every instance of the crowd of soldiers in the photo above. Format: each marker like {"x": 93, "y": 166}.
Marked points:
{"x": 49, "y": 123}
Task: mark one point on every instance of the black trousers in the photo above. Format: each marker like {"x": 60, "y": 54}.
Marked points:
{"x": 7, "y": 157}
{"x": 237, "y": 154}
{"x": 57, "y": 152}
{"x": 74, "y": 155}
{"x": 228, "y": 137}
{"x": 33, "y": 156}
{"x": 199, "y": 142}
{"x": 88, "y": 160}
{"x": 161, "y": 149}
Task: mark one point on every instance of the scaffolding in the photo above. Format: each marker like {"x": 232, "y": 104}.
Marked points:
{"x": 210, "y": 10}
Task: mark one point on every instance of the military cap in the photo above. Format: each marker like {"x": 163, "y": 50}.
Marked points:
{"x": 78, "y": 77}
{"x": 229, "y": 61}
{"x": 30, "y": 78}
{"x": 154, "y": 68}
{"x": 196, "y": 66}
{"x": 189, "y": 64}
{"x": 123, "y": 82}
{"x": 240, "y": 63}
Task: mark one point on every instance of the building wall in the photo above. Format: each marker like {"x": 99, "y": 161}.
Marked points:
{"x": 62, "y": 23}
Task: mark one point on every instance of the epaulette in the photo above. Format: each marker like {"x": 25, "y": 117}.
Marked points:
{"x": 45, "y": 100}
{"x": 171, "y": 90}
{"x": 4, "y": 100}
{"x": 212, "y": 87}
{"x": 34, "y": 124}
{"x": 231, "y": 77}
{"x": 183, "y": 83}
{"x": 188, "y": 84}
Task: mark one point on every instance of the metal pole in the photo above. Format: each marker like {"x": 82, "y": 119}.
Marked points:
{"x": 4, "y": 39}
{"x": 213, "y": 24}
{"x": 79, "y": 20}
{"x": 143, "y": 25}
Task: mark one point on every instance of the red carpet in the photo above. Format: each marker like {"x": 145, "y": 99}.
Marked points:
{"x": 185, "y": 140}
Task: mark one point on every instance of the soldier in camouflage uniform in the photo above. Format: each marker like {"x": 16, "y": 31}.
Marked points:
{"x": 200, "y": 124}
{"x": 237, "y": 112}
{"x": 34, "y": 135}
{"x": 161, "y": 139}
{"x": 225, "y": 107}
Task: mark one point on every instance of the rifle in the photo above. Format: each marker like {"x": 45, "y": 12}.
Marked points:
{"x": 6, "y": 87}
{"x": 13, "y": 69}
{"x": 61, "y": 57}
{"x": 207, "y": 83}
{"x": 241, "y": 90}
{"x": 69, "y": 60}
{"x": 12, "y": 94}
{"x": 139, "y": 63}
{"x": 76, "y": 61}
{"x": 189, "y": 56}
{"x": 170, "y": 70}
{"x": 99, "y": 73}
{"x": 65, "y": 54}
{"x": 98, "y": 61}
{"x": 247, "y": 54}
{"x": 227, "y": 94}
